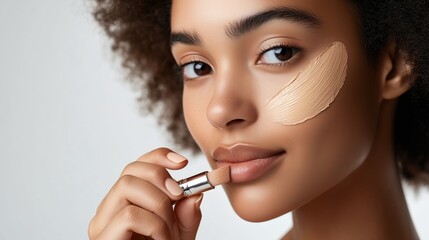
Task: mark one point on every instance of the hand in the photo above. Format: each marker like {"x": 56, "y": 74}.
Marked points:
{"x": 140, "y": 204}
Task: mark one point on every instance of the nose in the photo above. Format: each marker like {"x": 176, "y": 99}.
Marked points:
{"x": 232, "y": 104}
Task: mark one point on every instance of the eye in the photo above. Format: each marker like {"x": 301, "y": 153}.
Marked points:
{"x": 277, "y": 55}
{"x": 196, "y": 69}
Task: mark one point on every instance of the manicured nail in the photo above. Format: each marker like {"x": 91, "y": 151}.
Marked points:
{"x": 198, "y": 202}
{"x": 174, "y": 157}
{"x": 173, "y": 187}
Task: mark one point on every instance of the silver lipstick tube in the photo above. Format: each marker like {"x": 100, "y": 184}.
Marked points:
{"x": 196, "y": 184}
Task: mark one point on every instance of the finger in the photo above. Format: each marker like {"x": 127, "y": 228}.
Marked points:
{"x": 164, "y": 157}
{"x": 133, "y": 219}
{"x": 188, "y": 216}
{"x": 156, "y": 175}
{"x": 146, "y": 168}
{"x": 131, "y": 190}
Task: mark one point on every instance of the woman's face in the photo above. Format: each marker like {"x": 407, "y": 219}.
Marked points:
{"x": 236, "y": 55}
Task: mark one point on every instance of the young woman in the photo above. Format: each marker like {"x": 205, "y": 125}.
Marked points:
{"x": 318, "y": 107}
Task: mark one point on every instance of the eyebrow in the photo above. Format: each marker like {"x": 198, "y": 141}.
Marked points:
{"x": 247, "y": 24}
{"x": 189, "y": 38}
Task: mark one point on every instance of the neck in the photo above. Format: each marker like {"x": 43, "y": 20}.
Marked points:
{"x": 368, "y": 204}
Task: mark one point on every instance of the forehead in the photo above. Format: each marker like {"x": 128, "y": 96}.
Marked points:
{"x": 199, "y": 14}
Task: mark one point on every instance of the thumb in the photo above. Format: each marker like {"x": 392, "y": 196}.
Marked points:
{"x": 188, "y": 215}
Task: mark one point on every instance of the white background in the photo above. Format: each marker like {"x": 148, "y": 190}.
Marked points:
{"x": 69, "y": 124}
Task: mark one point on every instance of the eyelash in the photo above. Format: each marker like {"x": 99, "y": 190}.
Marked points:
{"x": 194, "y": 60}
{"x": 274, "y": 46}
{"x": 181, "y": 68}
{"x": 260, "y": 54}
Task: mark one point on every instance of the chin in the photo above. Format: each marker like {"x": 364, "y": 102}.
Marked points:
{"x": 259, "y": 213}
{"x": 258, "y": 208}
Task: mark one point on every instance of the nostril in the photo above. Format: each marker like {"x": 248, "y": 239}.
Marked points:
{"x": 230, "y": 110}
{"x": 235, "y": 122}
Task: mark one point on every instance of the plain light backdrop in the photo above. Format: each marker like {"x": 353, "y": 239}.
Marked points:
{"x": 69, "y": 123}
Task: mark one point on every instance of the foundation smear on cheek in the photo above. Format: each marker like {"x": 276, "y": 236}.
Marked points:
{"x": 312, "y": 90}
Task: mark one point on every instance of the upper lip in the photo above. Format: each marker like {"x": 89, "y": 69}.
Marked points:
{"x": 243, "y": 153}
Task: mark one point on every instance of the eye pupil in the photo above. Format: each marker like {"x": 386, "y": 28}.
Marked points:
{"x": 201, "y": 69}
{"x": 283, "y": 53}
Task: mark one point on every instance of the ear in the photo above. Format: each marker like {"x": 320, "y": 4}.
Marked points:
{"x": 396, "y": 73}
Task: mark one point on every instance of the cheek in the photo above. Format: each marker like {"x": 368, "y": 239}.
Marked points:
{"x": 333, "y": 138}
{"x": 339, "y": 140}
{"x": 320, "y": 153}
{"x": 334, "y": 148}
{"x": 312, "y": 90}
{"x": 192, "y": 112}
{"x": 194, "y": 109}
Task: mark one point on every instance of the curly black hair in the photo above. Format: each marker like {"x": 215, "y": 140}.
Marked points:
{"x": 140, "y": 30}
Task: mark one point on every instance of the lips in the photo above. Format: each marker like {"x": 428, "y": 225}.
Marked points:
{"x": 242, "y": 153}
{"x": 247, "y": 162}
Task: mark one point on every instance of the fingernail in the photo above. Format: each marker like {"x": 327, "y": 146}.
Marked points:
{"x": 173, "y": 187}
{"x": 174, "y": 157}
{"x": 198, "y": 202}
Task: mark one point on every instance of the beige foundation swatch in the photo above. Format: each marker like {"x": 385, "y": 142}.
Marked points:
{"x": 312, "y": 90}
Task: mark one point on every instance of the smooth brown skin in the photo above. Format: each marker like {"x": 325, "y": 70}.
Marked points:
{"x": 339, "y": 177}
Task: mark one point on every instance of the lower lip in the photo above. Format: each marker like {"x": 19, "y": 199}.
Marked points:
{"x": 251, "y": 170}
